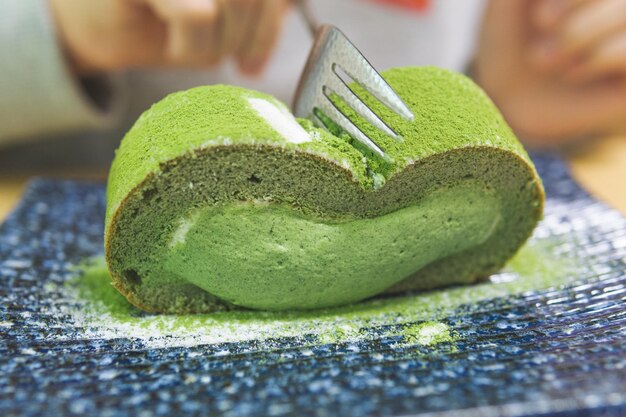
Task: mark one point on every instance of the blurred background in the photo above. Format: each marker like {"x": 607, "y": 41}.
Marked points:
{"x": 75, "y": 74}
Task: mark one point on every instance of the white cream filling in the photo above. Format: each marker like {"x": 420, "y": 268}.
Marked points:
{"x": 184, "y": 226}
{"x": 280, "y": 119}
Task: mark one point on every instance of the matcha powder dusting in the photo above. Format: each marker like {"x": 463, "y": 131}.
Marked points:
{"x": 417, "y": 319}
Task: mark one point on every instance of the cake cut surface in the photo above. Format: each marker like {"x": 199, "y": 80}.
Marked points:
{"x": 219, "y": 198}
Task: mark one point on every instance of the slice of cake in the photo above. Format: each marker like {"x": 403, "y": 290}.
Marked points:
{"x": 218, "y": 197}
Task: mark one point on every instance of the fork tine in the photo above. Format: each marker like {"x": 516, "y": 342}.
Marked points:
{"x": 339, "y": 87}
{"x": 331, "y": 50}
{"x": 331, "y": 111}
{"x": 348, "y": 56}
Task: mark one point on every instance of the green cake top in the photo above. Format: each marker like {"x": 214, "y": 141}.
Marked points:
{"x": 210, "y": 116}
{"x": 215, "y": 115}
{"x": 466, "y": 118}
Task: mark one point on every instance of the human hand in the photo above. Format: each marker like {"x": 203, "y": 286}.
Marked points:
{"x": 584, "y": 39}
{"x": 542, "y": 101}
{"x": 110, "y": 35}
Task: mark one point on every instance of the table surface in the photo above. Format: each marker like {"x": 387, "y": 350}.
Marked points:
{"x": 544, "y": 337}
{"x": 599, "y": 166}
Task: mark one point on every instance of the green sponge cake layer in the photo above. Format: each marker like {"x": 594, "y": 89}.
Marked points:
{"x": 218, "y": 197}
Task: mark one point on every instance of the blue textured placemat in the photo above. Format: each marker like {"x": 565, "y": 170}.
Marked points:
{"x": 558, "y": 351}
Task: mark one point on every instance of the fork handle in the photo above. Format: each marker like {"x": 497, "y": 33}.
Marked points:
{"x": 304, "y": 7}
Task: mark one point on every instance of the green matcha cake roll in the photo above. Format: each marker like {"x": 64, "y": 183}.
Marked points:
{"x": 219, "y": 198}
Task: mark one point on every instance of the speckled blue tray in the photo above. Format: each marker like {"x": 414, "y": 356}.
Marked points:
{"x": 557, "y": 351}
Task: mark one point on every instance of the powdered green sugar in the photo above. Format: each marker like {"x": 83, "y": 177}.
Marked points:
{"x": 415, "y": 319}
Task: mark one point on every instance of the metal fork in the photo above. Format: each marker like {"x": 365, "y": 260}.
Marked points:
{"x": 331, "y": 54}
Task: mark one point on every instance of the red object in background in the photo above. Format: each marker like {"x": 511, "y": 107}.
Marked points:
{"x": 417, "y": 5}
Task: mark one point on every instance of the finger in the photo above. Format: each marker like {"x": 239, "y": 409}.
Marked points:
{"x": 234, "y": 21}
{"x": 193, "y": 43}
{"x": 254, "y": 55}
{"x": 545, "y": 55}
{"x": 590, "y": 24}
{"x": 607, "y": 60}
{"x": 547, "y": 14}
{"x": 548, "y": 51}
{"x": 184, "y": 10}
{"x": 247, "y": 23}
{"x": 502, "y": 45}
{"x": 143, "y": 40}
{"x": 192, "y": 31}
